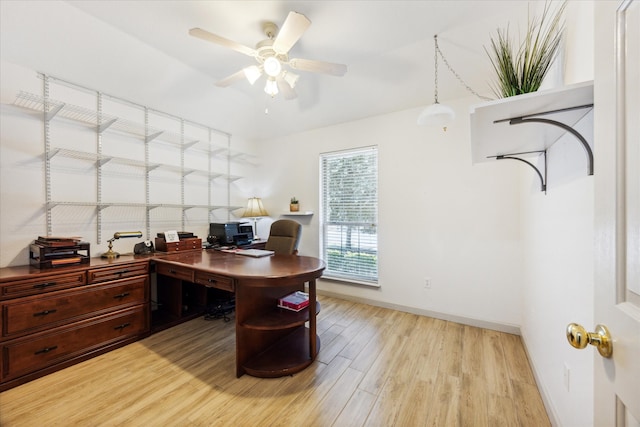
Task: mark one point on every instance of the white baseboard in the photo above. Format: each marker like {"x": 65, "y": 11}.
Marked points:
{"x": 544, "y": 394}
{"x": 500, "y": 327}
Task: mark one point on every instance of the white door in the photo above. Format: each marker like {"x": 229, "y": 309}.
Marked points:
{"x": 617, "y": 220}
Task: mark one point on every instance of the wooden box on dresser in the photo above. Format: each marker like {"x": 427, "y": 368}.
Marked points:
{"x": 54, "y": 318}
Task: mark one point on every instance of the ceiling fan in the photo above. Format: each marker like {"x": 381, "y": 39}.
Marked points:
{"x": 271, "y": 54}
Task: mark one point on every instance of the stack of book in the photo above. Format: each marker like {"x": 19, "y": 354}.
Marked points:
{"x": 295, "y": 301}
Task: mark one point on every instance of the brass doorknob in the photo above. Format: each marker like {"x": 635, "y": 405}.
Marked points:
{"x": 578, "y": 337}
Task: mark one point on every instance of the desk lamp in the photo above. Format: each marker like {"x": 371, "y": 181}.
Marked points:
{"x": 255, "y": 211}
{"x": 119, "y": 235}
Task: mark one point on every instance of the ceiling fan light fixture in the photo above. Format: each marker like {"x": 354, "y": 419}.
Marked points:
{"x": 252, "y": 73}
{"x": 272, "y": 66}
{"x": 271, "y": 87}
{"x": 271, "y": 55}
{"x": 291, "y": 79}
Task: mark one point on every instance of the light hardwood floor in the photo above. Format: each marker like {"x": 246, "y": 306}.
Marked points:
{"x": 376, "y": 367}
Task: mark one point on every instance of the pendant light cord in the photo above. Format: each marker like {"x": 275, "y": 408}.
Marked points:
{"x": 439, "y": 52}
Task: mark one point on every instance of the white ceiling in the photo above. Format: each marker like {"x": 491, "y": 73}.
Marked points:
{"x": 387, "y": 46}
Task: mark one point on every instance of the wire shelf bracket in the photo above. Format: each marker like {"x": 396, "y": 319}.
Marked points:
{"x": 534, "y": 118}
{"x": 541, "y": 176}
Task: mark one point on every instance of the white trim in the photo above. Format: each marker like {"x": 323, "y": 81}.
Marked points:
{"x": 544, "y": 393}
{"x": 500, "y": 327}
{"x": 350, "y": 281}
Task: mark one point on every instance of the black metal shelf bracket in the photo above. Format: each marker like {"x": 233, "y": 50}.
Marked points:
{"x": 533, "y": 118}
{"x": 543, "y": 179}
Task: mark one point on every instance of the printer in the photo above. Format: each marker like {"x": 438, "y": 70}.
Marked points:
{"x": 231, "y": 233}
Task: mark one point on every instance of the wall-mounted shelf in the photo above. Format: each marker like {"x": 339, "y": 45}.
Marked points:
{"x": 305, "y": 213}
{"x": 55, "y": 108}
{"x": 151, "y": 148}
{"x": 512, "y": 128}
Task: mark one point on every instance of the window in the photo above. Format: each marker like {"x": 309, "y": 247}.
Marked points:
{"x": 349, "y": 214}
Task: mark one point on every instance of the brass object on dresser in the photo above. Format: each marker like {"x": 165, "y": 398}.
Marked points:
{"x": 51, "y": 319}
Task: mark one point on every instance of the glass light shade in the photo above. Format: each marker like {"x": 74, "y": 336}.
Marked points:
{"x": 436, "y": 115}
{"x": 254, "y": 208}
{"x": 252, "y": 73}
{"x": 291, "y": 79}
{"x": 271, "y": 87}
{"x": 272, "y": 66}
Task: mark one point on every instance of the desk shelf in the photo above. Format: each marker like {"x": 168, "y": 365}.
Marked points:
{"x": 286, "y": 357}
{"x": 274, "y": 342}
{"x": 279, "y": 318}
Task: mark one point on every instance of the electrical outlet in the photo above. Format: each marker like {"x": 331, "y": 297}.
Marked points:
{"x": 566, "y": 376}
{"x": 427, "y": 283}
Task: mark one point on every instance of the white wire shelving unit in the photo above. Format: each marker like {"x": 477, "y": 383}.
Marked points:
{"x": 100, "y": 122}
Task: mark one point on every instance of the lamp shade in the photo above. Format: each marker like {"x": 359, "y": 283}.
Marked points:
{"x": 254, "y": 208}
{"x": 271, "y": 87}
{"x": 252, "y": 73}
{"x": 436, "y": 115}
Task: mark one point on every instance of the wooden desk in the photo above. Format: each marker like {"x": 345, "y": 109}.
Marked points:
{"x": 270, "y": 342}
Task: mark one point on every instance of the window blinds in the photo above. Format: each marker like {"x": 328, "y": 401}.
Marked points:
{"x": 349, "y": 214}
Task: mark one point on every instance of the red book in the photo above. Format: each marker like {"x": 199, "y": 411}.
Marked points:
{"x": 295, "y": 301}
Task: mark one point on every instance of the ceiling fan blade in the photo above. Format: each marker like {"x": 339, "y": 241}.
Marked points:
{"x": 318, "y": 66}
{"x": 293, "y": 28}
{"x": 228, "y": 81}
{"x": 213, "y": 38}
{"x": 287, "y": 91}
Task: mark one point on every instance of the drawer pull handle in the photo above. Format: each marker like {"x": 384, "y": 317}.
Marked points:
{"x": 122, "y": 272}
{"x": 46, "y": 350}
{"x": 44, "y": 313}
{"x": 172, "y": 271}
{"x": 121, "y": 327}
{"x": 213, "y": 281}
{"x": 122, "y": 295}
{"x": 44, "y": 285}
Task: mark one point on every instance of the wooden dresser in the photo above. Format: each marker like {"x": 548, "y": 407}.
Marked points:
{"x": 53, "y": 318}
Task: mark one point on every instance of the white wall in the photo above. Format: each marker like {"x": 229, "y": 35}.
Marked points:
{"x": 558, "y": 253}
{"x": 439, "y": 216}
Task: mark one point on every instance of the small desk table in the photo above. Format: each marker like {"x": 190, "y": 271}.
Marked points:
{"x": 270, "y": 341}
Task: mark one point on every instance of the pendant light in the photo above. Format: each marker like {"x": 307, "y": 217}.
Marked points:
{"x": 436, "y": 114}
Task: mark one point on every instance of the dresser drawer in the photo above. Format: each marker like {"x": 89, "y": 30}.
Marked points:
{"x": 29, "y": 354}
{"x": 214, "y": 281}
{"x": 182, "y": 245}
{"x": 170, "y": 270}
{"x": 20, "y": 288}
{"x": 31, "y": 314}
{"x": 117, "y": 272}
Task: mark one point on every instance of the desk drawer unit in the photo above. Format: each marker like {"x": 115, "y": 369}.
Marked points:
{"x": 114, "y": 273}
{"x": 182, "y": 245}
{"x": 31, "y": 314}
{"x": 182, "y": 273}
{"x": 32, "y": 353}
{"x": 214, "y": 281}
{"x": 42, "y": 284}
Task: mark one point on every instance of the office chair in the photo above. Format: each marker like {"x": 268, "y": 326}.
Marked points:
{"x": 284, "y": 237}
